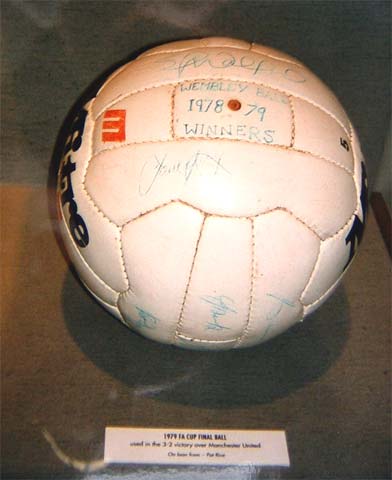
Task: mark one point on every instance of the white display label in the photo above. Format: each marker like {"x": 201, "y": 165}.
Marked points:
{"x": 208, "y": 447}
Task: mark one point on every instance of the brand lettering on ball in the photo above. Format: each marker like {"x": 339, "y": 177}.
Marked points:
{"x": 354, "y": 236}
{"x": 76, "y": 223}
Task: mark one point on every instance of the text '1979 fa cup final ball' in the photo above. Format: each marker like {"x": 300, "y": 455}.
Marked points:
{"x": 212, "y": 193}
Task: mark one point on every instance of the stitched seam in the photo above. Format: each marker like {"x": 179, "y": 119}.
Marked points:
{"x": 112, "y": 77}
{"x": 180, "y": 317}
{"x": 128, "y": 283}
{"x": 84, "y": 189}
{"x": 284, "y": 209}
{"x": 221, "y": 139}
{"x": 281, "y": 147}
{"x": 223, "y": 215}
{"x": 325, "y": 294}
{"x": 187, "y": 49}
{"x": 239, "y": 339}
{"x": 96, "y": 296}
{"x": 227, "y": 79}
{"x": 350, "y": 134}
{"x": 122, "y": 317}
{"x": 89, "y": 159}
{"x": 333, "y": 116}
{"x": 312, "y": 274}
{"x": 157, "y": 208}
{"x": 245, "y": 331}
{"x": 95, "y": 206}
{"x": 200, "y": 340}
{"x": 180, "y": 82}
{"x": 351, "y": 218}
{"x": 302, "y": 314}
{"x": 292, "y": 122}
{"x": 194, "y": 138}
{"x": 95, "y": 275}
{"x": 123, "y": 96}
{"x": 172, "y": 107}
{"x": 280, "y": 59}
{"x": 90, "y": 142}
{"x": 204, "y": 45}
{"x": 355, "y": 161}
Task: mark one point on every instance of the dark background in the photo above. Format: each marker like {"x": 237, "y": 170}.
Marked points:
{"x": 70, "y": 369}
{"x": 51, "y": 51}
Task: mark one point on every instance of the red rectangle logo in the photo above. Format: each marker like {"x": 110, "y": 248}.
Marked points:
{"x": 113, "y": 126}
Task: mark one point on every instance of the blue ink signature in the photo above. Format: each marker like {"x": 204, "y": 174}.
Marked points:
{"x": 224, "y": 60}
{"x": 274, "y": 313}
{"x": 200, "y": 163}
{"x": 281, "y": 303}
{"x": 146, "y": 319}
{"x": 220, "y": 306}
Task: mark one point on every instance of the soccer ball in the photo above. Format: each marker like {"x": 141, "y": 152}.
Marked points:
{"x": 212, "y": 193}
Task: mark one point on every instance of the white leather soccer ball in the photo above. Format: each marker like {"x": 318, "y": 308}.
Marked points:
{"x": 212, "y": 193}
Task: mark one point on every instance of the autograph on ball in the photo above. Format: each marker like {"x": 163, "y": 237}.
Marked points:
{"x": 161, "y": 166}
